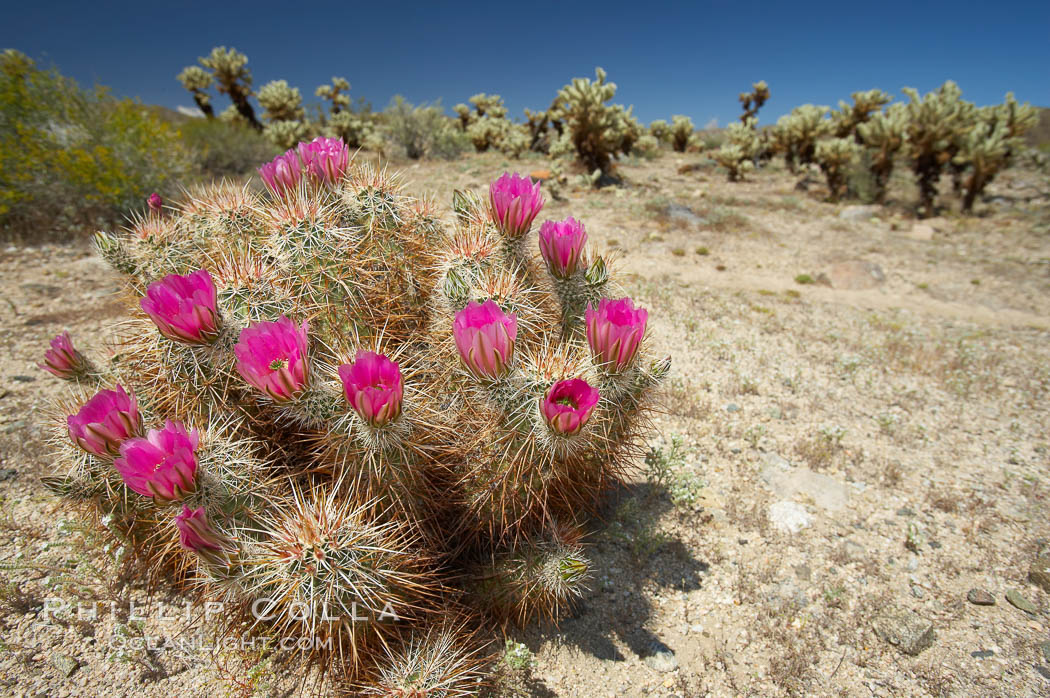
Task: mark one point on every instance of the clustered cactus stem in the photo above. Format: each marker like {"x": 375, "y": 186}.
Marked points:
{"x": 752, "y": 101}
{"x": 354, "y": 424}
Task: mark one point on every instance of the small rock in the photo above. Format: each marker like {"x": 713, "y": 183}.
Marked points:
{"x": 905, "y": 511}
{"x": 789, "y": 517}
{"x": 980, "y": 597}
{"x": 65, "y": 664}
{"x": 1045, "y": 649}
{"x": 803, "y": 572}
{"x": 906, "y": 631}
{"x": 982, "y": 654}
{"x": 1043, "y": 671}
{"x": 732, "y": 407}
{"x": 858, "y": 213}
{"x": 921, "y": 231}
{"x": 540, "y": 175}
{"x": 855, "y": 275}
{"x": 1039, "y": 572}
{"x": 7, "y": 473}
{"x": 1018, "y": 601}
{"x": 23, "y": 379}
{"x": 683, "y": 214}
{"x": 917, "y": 591}
{"x": 661, "y": 658}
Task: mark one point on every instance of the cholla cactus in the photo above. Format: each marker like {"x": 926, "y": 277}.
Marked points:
{"x": 835, "y": 155}
{"x": 752, "y": 101}
{"x": 354, "y": 424}
{"x": 231, "y": 74}
{"x": 285, "y": 134}
{"x": 337, "y": 93}
{"x": 197, "y": 81}
{"x": 281, "y": 102}
{"x": 987, "y": 148}
{"x": 596, "y": 132}
{"x": 741, "y": 150}
{"x": 934, "y": 124}
{"x": 797, "y": 133}
{"x": 660, "y": 130}
{"x": 883, "y": 136}
{"x": 681, "y": 132}
{"x": 849, "y": 117}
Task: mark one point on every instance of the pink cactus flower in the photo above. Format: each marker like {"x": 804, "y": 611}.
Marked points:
{"x": 485, "y": 337}
{"x": 63, "y": 359}
{"x": 514, "y": 202}
{"x": 614, "y": 331}
{"x": 374, "y": 387}
{"x": 325, "y": 159}
{"x": 163, "y": 465}
{"x": 196, "y": 533}
{"x": 568, "y": 405}
{"x": 561, "y": 244}
{"x": 155, "y": 202}
{"x": 105, "y": 421}
{"x": 283, "y": 173}
{"x": 184, "y": 308}
{"x": 272, "y": 356}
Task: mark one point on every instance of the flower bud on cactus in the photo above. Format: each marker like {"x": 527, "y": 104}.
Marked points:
{"x": 63, "y": 359}
{"x": 325, "y": 159}
{"x": 163, "y": 465}
{"x": 282, "y": 174}
{"x": 374, "y": 387}
{"x": 568, "y": 405}
{"x": 196, "y": 534}
{"x": 561, "y": 244}
{"x": 104, "y": 422}
{"x": 272, "y": 356}
{"x": 485, "y": 337}
{"x": 515, "y": 202}
{"x": 614, "y": 332}
{"x": 184, "y": 308}
{"x": 155, "y": 202}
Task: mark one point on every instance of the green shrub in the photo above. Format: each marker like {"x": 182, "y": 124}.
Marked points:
{"x": 423, "y": 130}
{"x": 71, "y": 158}
{"x": 223, "y": 149}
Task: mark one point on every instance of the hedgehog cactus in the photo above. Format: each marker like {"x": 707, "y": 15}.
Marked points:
{"x": 354, "y": 424}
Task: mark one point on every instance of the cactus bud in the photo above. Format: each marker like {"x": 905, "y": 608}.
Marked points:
{"x": 184, "y": 308}
{"x": 105, "y": 421}
{"x": 63, "y": 359}
{"x": 272, "y": 356}
{"x": 597, "y": 273}
{"x": 614, "y": 332}
{"x": 282, "y": 174}
{"x": 485, "y": 337}
{"x": 561, "y": 244}
{"x": 456, "y": 287}
{"x": 515, "y": 202}
{"x": 154, "y": 202}
{"x": 163, "y": 465}
{"x": 374, "y": 387}
{"x": 197, "y": 534}
{"x": 463, "y": 202}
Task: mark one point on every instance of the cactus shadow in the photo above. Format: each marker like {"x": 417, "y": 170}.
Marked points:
{"x": 631, "y": 559}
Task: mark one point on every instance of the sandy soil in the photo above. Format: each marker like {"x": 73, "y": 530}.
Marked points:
{"x": 865, "y": 448}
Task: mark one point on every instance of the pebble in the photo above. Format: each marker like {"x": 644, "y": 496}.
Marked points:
{"x": 65, "y": 664}
{"x": 1018, "y": 601}
{"x": 917, "y": 591}
{"x": 662, "y": 658}
{"x": 732, "y": 407}
{"x": 1039, "y": 572}
{"x": 1045, "y": 649}
{"x": 980, "y": 597}
{"x": 906, "y": 631}
{"x": 982, "y": 654}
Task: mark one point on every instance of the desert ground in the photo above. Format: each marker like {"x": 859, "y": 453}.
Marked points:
{"x": 847, "y": 493}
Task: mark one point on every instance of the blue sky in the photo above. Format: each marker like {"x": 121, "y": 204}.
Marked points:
{"x": 667, "y": 58}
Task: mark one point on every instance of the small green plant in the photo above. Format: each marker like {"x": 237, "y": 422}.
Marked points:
{"x": 804, "y": 279}
{"x": 667, "y": 468}
{"x": 703, "y": 251}
{"x": 518, "y": 656}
